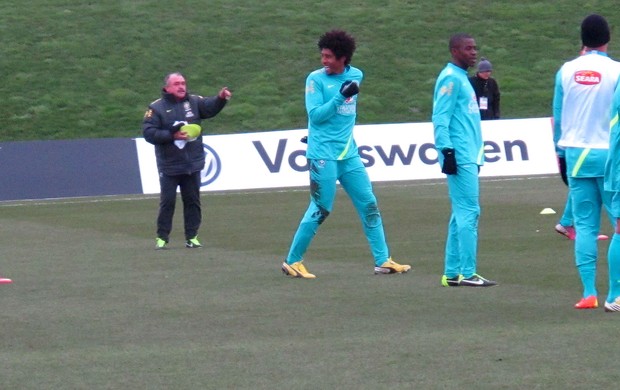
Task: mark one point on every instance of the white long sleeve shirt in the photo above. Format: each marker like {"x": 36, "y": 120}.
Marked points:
{"x": 584, "y": 89}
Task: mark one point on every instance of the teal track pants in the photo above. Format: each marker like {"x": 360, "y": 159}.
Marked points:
{"x": 462, "y": 241}
{"x": 352, "y": 175}
{"x": 589, "y": 199}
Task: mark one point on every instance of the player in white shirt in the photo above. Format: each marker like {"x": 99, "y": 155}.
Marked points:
{"x": 584, "y": 89}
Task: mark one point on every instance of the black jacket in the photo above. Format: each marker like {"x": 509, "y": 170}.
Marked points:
{"x": 490, "y": 90}
{"x": 157, "y": 129}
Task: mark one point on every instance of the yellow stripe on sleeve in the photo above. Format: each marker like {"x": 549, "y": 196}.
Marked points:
{"x": 614, "y": 121}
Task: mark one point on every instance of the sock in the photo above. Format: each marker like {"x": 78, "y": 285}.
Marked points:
{"x": 588, "y": 279}
{"x": 613, "y": 259}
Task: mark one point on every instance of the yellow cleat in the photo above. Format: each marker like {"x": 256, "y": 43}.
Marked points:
{"x": 297, "y": 270}
{"x": 392, "y": 267}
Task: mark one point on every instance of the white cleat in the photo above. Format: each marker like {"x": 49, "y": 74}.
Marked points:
{"x": 613, "y": 306}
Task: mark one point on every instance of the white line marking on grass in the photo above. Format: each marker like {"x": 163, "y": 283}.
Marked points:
{"x": 121, "y": 198}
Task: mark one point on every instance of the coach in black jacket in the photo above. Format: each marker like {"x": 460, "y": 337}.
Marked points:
{"x": 179, "y": 158}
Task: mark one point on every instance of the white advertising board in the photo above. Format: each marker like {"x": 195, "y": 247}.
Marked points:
{"x": 391, "y": 152}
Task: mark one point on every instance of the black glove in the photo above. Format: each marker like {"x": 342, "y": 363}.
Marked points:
{"x": 562, "y": 165}
{"x": 177, "y": 127}
{"x": 449, "y": 162}
{"x": 304, "y": 139}
{"x": 349, "y": 88}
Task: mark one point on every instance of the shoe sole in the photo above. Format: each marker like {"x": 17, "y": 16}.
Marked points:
{"x": 388, "y": 271}
{"x": 586, "y": 307}
{"x": 288, "y": 271}
{"x": 292, "y": 273}
{"x": 466, "y": 284}
{"x": 564, "y": 234}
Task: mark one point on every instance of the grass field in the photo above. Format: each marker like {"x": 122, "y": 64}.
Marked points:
{"x": 76, "y": 69}
{"x": 93, "y": 306}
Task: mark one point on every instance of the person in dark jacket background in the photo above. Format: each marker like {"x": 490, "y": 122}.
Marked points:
{"x": 487, "y": 90}
{"x": 180, "y": 158}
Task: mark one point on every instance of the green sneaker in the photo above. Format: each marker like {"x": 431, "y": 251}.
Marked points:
{"x": 160, "y": 243}
{"x": 193, "y": 243}
{"x": 451, "y": 282}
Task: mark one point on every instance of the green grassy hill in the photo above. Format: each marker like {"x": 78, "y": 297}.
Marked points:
{"x": 89, "y": 69}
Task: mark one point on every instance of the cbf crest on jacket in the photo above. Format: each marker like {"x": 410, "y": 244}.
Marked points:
{"x": 158, "y": 128}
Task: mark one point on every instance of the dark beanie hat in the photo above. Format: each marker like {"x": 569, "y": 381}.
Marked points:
{"x": 594, "y": 31}
{"x": 484, "y": 65}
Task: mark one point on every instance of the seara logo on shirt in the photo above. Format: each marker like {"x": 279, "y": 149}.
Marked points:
{"x": 587, "y": 77}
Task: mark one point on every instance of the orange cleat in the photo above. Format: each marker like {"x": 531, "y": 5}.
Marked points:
{"x": 590, "y": 302}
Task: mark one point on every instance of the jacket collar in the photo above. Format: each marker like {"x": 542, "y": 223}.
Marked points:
{"x": 170, "y": 97}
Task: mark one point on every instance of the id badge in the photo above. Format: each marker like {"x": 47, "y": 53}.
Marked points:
{"x": 484, "y": 103}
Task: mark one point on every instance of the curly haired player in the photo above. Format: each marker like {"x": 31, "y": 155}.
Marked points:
{"x": 331, "y": 103}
